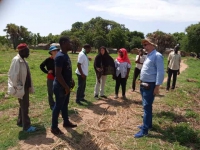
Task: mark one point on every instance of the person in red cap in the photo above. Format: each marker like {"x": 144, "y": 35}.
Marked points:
{"x": 20, "y": 85}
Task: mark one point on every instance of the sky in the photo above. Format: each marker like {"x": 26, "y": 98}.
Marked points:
{"x": 55, "y": 16}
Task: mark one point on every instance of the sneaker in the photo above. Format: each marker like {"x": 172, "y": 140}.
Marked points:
{"x": 103, "y": 96}
{"x": 31, "y": 129}
{"x": 79, "y": 103}
{"x": 141, "y": 126}
{"x": 56, "y": 131}
{"x": 124, "y": 97}
{"x": 96, "y": 97}
{"x": 140, "y": 134}
{"x": 116, "y": 96}
{"x": 83, "y": 100}
{"x": 69, "y": 125}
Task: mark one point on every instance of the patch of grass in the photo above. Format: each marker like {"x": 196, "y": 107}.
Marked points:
{"x": 191, "y": 114}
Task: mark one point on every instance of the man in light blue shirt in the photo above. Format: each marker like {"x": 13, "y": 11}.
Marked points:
{"x": 151, "y": 76}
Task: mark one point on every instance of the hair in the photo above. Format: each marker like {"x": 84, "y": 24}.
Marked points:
{"x": 63, "y": 39}
{"x": 177, "y": 47}
{"x": 103, "y": 47}
{"x": 86, "y": 46}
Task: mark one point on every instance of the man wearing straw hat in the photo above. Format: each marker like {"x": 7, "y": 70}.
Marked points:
{"x": 152, "y": 75}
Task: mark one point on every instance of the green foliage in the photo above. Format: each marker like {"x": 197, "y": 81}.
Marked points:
{"x": 163, "y": 40}
{"x": 193, "y": 36}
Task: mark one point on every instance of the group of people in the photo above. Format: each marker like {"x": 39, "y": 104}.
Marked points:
{"x": 58, "y": 68}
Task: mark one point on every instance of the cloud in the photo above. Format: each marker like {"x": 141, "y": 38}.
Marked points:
{"x": 148, "y": 10}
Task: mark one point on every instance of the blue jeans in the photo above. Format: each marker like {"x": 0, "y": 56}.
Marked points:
{"x": 147, "y": 101}
{"x": 61, "y": 104}
{"x": 80, "y": 94}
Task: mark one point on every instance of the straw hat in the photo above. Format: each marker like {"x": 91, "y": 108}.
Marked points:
{"x": 150, "y": 41}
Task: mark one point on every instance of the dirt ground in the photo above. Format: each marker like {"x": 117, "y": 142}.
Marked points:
{"x": 96, "y": 125}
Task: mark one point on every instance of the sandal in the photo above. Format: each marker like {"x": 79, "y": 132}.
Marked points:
{"x": 31, "y": 129}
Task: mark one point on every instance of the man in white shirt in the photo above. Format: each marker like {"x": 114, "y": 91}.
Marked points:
{"x": 139, "y": 62}
{"x": 82, "y": 73}
{"x": 174, "y": 60}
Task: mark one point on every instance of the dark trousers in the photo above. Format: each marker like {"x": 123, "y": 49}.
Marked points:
{"x": 23, "y": 118}
{"x": 61, "y": 104}
{"x": 135, "y": 75}
{"x": 50, "y": 93}
{"x": 170, "y": 73}
{"x": 80, "y": 94}
{"x": 122, "y": 82}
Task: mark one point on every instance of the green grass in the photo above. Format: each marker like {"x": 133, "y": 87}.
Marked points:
{"x": 172, "y": 129}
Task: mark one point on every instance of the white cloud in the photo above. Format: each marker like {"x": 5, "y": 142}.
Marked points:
{"x": 148, "y": 10}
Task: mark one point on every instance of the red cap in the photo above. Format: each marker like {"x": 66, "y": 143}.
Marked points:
{"x": 22, "y": 46}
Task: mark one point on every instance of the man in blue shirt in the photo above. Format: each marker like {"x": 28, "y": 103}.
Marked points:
{"x": 152, "y": 75}
{"x": 62, "y": 83}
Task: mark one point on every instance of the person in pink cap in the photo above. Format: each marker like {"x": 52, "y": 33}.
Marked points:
{"x": 20, "y": 85}
{"x": 122, "y": 65}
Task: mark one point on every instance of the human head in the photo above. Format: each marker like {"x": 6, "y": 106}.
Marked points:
{"x": 87, "y": 48}
{"x": 122, "y": 52}
{"x": 176, "y": 48}
{"x": 140, "y": 51}
{"x": 102, "y": 50}
{"x": 53, "y": 50}
{"x": 149, "y": 44}
{"x": 23, "y": 50}
{"x": 65, "y": 43}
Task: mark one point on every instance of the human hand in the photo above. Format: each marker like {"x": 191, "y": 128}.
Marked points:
{"x": 67, "y": 90}
{"x": 99, "y": 69}
{"x": 83, "y": 76}
{"x": 50, "y": 71}
{"x": 178, "y": 73}
{"x": 156, "y": 90}
{"x": 72, "y": 84}
{"x": 127, "y": 76}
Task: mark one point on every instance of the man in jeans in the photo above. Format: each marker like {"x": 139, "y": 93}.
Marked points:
{"x": 174, "y": 60}
{"x": 62, "y": 83}
{"x": 151, "y": 76}
{"x": 82, "y": 73}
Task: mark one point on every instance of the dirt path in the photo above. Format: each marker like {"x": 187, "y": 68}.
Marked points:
{"x": 95, "y": 125}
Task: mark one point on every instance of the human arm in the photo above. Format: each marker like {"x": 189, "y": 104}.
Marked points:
{"x": 58, "y": 73}
{"x": 81, "y": 71}
{"x": 13, "y": 73}
{"x": 159, "y": 72}
{"x": 43, "y": 66}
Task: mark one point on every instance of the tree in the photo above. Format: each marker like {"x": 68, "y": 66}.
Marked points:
{"x": 18, "y": 34}
{"x": 117, "y": 38}
{"x": 193, "y": 38}
{"x": 13, "y": 33}
{"x": 163, "y": 40}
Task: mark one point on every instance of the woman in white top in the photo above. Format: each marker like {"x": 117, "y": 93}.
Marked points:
{"x": 139, "y": 60}
{"x": 122, "y": 65}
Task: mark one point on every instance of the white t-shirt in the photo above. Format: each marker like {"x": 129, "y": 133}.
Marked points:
{"x": 121, "y": 68}
{"x": 83, "y": 60}
{"x": 142, "y": 59}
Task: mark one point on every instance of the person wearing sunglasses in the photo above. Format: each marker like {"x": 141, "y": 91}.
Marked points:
{"x": 151, "y": 76}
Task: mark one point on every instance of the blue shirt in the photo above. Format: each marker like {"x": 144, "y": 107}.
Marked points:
{"x": 62, "y": 60}
{"x": 153, "y": 68}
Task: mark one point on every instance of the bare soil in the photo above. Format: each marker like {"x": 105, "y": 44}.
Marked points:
{"x": 99, "y": 126}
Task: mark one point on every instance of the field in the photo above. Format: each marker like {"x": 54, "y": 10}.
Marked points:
{"x": 107, "y": 124}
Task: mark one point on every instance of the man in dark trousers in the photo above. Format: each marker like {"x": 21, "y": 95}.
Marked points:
{"x": 62, "y": 83}
{"x": 82, "y": 73}
{"x": 173, "y": 68}
{"x": 20, "y": 85}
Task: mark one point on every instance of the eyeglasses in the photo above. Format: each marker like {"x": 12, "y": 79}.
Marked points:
{"x": 145, "y": 45}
